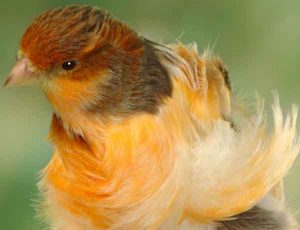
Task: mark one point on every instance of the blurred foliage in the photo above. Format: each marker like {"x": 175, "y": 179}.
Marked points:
{"x": 259, "y": 41}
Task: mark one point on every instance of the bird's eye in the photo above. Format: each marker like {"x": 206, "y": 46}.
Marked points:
{"x": 69, "y": 65}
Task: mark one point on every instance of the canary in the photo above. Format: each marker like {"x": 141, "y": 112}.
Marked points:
{"x": 143, "y": 133}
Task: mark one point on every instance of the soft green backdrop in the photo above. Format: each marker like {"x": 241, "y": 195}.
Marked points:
{"x": 259, "y": 41}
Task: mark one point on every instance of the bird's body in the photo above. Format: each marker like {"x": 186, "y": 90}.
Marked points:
{"x": 142, "y": 132}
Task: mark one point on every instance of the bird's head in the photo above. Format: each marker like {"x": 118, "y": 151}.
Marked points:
{"x": 84, "y": 58}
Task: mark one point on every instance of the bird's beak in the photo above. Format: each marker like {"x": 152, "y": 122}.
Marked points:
{"x": 20, "y": 74}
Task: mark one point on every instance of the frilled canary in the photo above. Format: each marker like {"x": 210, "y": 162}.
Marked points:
{"x": 143, "y": 134}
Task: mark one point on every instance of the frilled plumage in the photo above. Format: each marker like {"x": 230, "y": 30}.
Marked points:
{"x": 143, "y": 133}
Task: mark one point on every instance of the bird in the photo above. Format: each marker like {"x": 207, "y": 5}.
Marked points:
{"x": 144, "y": 134}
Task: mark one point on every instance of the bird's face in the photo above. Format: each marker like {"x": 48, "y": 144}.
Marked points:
{"x": 72, "y": 53}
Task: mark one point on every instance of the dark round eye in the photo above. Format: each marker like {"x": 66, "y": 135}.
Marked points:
{"x": 69, "y": 65}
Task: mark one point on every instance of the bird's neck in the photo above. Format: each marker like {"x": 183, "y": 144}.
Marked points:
{"x": 80, "y": 133}
{"x": 72, "y": 123}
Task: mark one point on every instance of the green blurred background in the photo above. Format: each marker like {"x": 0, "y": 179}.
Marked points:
{"x": 258, "y": 40}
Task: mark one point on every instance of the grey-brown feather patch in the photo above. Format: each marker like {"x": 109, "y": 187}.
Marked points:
{"x": 130, "y": 90}
{"x": 257, "y": 219}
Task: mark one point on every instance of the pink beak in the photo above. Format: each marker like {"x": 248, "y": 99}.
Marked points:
{"x": 20, "y": 74}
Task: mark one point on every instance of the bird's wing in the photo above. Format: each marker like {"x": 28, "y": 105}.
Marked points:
{"x": 231, "y": 171}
